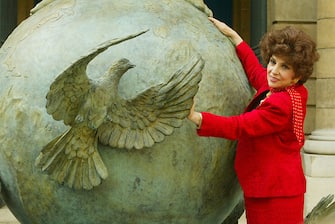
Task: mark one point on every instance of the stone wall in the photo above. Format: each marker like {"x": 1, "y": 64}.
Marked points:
{"x": 319, "y": 150}
{"x": 325, "y": 91}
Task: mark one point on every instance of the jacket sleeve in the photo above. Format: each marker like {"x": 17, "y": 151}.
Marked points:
{"x": 254, "y": 70}
{"x": 272, "y": 116}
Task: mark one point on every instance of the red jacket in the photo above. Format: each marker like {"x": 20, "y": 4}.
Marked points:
{"x": 268, "y": 161}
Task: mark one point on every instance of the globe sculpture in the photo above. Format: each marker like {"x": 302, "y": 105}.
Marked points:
{"x": 157, "y": 57}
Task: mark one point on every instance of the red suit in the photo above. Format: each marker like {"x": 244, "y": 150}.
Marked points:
{"x": 270, "y": 136}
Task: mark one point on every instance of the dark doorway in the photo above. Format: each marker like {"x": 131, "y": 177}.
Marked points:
{"x": 258, "y": 23}
{"x": 248, "y": 18}
{"x": 8, "y": 14}
{"x": 37, "y": 1}
{"x": 222, "y": 10}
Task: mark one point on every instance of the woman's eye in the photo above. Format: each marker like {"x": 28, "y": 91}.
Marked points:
{"x": 272, "y": 61}
{"x": 285, "y": 66}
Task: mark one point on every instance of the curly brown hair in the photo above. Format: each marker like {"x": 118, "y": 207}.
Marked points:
{"x": 295, "y": 46}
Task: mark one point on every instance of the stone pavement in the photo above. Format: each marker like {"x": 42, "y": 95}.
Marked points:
{"x": 6, "y": 217}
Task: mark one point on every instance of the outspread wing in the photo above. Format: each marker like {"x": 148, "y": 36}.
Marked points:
{"x": 155, "y": 113}
{"x": 69, "y": 90}
{"x": 324, "y": 209}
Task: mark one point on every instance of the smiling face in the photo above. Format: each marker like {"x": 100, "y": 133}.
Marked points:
{"x": 280, "y": 73}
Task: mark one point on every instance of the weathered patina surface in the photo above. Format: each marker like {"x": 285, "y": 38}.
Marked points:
{"x": 96, "y": 113}
{"x": 184, "y": 178}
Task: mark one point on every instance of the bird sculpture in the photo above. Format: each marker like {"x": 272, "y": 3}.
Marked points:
{"x": 323, "y": 212}
{"x": 96, "y": 113}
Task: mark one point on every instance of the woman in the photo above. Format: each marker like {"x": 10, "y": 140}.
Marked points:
{"x": 270, "y": 131}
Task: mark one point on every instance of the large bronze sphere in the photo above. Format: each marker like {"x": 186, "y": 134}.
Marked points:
{"x": 183, "y": 179}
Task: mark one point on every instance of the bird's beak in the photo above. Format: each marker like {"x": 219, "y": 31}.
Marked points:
{"x": 132, "y": 66}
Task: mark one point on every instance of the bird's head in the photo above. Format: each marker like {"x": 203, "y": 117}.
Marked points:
{"x": 116, "y": 71}
{"x": 121, "y": 66}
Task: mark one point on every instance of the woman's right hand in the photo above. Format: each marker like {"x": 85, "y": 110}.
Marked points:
{"x": 227, "y": 31}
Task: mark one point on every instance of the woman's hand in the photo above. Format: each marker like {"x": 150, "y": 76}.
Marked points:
{"x": 227, "y": 31}
{"x": 194, "y": 116}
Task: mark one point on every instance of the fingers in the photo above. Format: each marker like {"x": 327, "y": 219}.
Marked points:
{"x": 195, "y": 116}
{"x": 212, "y": 19}
{"x": 227, "y": 31}
{"x": 216, "y": 22}
{"x": 191, "y": 110}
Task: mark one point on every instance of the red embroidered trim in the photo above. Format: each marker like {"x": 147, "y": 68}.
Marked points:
{"x": 298, "y": 119}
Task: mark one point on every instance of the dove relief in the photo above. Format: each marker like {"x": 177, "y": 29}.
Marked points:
{"x": 96, "y": 113}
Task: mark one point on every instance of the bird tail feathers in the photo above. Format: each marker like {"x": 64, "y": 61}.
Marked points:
{"x": 73, "y": 160}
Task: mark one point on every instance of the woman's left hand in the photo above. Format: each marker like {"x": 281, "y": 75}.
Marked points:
{"x": 195, "y": 116}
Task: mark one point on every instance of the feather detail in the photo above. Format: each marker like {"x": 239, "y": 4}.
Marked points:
{"x": 155, "y": 113}
{"x": 322, "y": 211}
{"x": 72, "y": 160}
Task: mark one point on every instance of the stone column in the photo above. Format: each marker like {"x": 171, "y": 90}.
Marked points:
{"x": 8, "y": 18}
{"x": 319, "y": 149}
{"x": 319, "y": 165}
